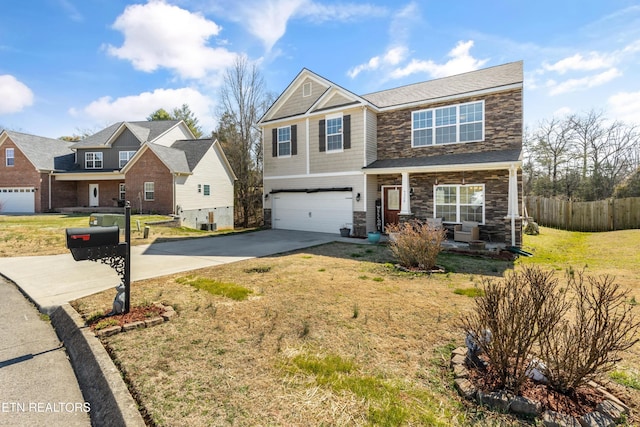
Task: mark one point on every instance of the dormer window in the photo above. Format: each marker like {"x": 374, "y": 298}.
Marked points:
{"x": 93, "y": 160}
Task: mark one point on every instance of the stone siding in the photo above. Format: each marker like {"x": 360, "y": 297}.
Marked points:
{"x": 503, "y": 128}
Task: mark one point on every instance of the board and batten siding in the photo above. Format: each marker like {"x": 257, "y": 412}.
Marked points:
{"x": 211, "y": 171}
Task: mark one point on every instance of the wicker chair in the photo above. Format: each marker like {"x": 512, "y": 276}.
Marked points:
{"x": 466, "y": 232}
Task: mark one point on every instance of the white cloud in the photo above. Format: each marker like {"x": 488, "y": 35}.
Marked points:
{"x": 14, "y": 94}
{"x": 139, "y": 107}
{"x": 625, "y": 106}
{"x": 391, "y": 57}
{"x": 577, "y": 62}
{"x": 461, "y": 61}
{"x": 583, "y": 83}
{"x": 157, "y": 34}
{"x": 267, "y": 20}
{"x": 71, "y": 10}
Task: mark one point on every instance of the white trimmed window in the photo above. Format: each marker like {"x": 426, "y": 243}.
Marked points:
{"x": 122, "y": 191}
{"x": 125, "y": 156}
{"x": 9, "y": 156}
{"x": 447, "y": 125}
{"x": 334, "y": 133}
{"x": 93, "y": 160}
{"x": 457, "y": 203}
{"x": 149, "y": 191}
{"x": 284, "y": 141}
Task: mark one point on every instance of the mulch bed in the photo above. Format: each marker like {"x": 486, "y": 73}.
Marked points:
{"x": 135, "y": 314}
{"x": 582, "y": 401}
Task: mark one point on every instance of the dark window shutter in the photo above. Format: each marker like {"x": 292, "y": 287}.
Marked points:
{"x": 274, "y": 142}
{"x": 346, "y": 132}
{"x": 294, "y": 140}
{"x": 322, "y": 136}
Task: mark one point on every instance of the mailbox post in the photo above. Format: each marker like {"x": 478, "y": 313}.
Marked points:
{"x": 103, "y": 244}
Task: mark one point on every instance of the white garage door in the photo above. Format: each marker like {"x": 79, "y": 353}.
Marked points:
{"x": 17, "y": 200}
{"x": 323, "y": 212}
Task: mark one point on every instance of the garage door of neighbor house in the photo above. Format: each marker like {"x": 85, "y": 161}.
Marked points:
{"x": 17, "y": 200}
{"x": 324, "y": 211}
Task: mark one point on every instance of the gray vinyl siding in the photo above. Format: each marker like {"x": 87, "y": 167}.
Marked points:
{"x": 298, "y": 104}
{"x": 292, "y": 165}
{"x": 335, "y": 100}
{"x": 346, "y": 160}
{"x": 111, "y": 155}
{"x": 372, "y": 137}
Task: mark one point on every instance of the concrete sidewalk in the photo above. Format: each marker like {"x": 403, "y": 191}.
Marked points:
{"x": 38, "y": 385}
{"x": 51, "y": 281}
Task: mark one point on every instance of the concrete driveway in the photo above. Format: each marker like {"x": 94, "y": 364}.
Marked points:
{"x": 51, "y": 281}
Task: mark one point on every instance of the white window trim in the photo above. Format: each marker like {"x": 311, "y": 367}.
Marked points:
{"x": 306, "y": 89}
{"x": 94, "y": 160}
{"x": 458, "y": 186}
{"x": 129, "y": 155}
{"x": 284, "y": 156}
{"x": 12, "y": 157}
{"x": 122, "y": 191}
{"x": 434, "y": 127}
{"x": 153, "y": 191}
{"x": 326, "y": 133}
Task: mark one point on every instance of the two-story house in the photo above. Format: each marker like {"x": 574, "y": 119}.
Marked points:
{"x": 447, "y": 148}
{"x": 156, "y": 165}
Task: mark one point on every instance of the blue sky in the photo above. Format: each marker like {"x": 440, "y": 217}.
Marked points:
{"x": 70, "y": 66}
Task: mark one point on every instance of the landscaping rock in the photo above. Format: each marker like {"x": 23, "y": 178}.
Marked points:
{"x": 462, "y": 351}
{"x": 612, "y": 409}
{"x": 524, "y": 406}
{"x": 498, "y": 400}
{"x": 458, "y": 359}
{"x": 609, "y": 396}
{"x": 459, "y": 371}
{"x": 133, "y": 325}
{"x": 596, "y": 419}
{"x": 466, "y": 388}
{"x": 107, "y": 332}
{"x": 153, "y": 321}
{"x": 168, "y": 313}
{"x": 556, "y": 419}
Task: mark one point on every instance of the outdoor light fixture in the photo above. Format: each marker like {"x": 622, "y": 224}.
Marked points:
{"x": 358, "y": 197}
{"x": 266, "y": 197}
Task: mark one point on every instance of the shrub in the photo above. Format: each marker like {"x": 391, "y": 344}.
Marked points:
{"x": 512, "y": 315}
{"x": 589, "y": 344}
{"x": 416, "y": 245}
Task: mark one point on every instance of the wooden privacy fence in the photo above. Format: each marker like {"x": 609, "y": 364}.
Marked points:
{"x": 601, "y": 215}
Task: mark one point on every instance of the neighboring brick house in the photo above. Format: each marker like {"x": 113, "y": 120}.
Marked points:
{"x": 448, "y": 148}
{"x": 156, "y": 165}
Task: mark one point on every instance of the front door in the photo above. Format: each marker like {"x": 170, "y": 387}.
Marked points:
{"x": 94, "y": 195}
{"x": 391, "y": 205}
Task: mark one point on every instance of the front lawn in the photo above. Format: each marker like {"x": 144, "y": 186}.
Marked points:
{"x": 30, "y": 235}
{"x": 331, "y": 335}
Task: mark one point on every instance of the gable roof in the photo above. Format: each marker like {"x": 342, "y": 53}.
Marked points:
{"x": 487, "y": 79}
{"x": 174, "y": 159}
{"x": 473, "y": 81}
{"x": 145, "y": 131}
{"x": 46, "y": 154}
{"x": 194, "y": 149}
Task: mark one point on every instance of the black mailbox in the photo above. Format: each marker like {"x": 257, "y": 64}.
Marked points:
{"x": 92, "y": 237}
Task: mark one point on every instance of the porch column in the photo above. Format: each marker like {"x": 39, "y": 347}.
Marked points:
{"x": 513, "y": 201}
{"x": 405, "y": 203}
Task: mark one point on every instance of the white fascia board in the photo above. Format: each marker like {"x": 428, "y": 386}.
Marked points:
{"x": 463, "y": 167}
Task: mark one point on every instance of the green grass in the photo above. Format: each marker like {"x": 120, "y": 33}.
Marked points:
{"x": 626, "y": 379}
{"x": 214, "y": 287}
{"x": 469, "y": 292}
{"x": 391, "y": 403}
